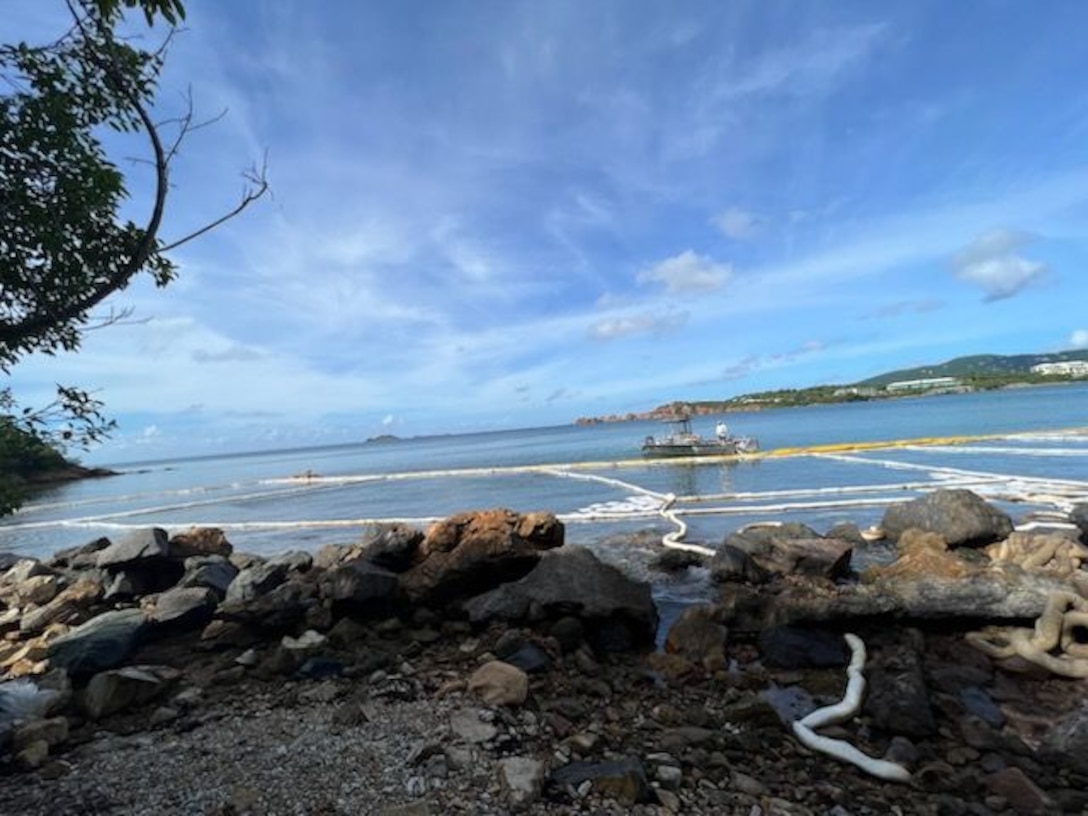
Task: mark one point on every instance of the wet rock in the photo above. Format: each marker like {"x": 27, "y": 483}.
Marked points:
{"x": 802, "y": 647}
{"x": 676, "y": 560}
{"x": 697, "y": 635}
{"x": 960, "y": 517}
{"x": 731, "y": 564}
{"x": 572, "y": 581}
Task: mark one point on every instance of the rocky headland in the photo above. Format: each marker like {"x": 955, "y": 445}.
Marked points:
{"x": 484, "y": 667}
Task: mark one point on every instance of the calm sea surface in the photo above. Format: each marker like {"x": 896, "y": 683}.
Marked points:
{"x": 593, "y": 478}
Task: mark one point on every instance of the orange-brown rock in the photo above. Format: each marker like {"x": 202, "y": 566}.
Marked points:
{"x": 200, "y": 541}
{"x": 472, "y": 552}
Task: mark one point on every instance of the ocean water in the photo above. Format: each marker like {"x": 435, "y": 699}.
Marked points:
{"x": 1033, "y": 462}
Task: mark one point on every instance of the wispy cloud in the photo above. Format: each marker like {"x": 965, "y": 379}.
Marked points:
{"x": 737, "y": 223}
{"x": 612, "y": 328}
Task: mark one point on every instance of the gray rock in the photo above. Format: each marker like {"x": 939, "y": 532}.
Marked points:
{"x": 623, "y": 780}
{"x": 781, "y": 549}
{"x": 256, "y": 580}
{"x": 104, "y": 642}
{"x": 802, "y": 647}
{"x": 733, "y": 565}
{"x": 897, "y": 700}
{"x": 521, "y": 779}
{"x": 23, "y": 569}
{"x": 359, "y": 586}
{"x": 296, "y": 560}
{"x": 960, "y": 517}
{"x": 1067, "y": 742}
{"x": 394, "y": 547}
{"x": 81, "y": 557}
{"x": 212, "y": 571}
{"x": 182, "y": 608}
{"x": 572, "y": 581}
{"x": 119, "y": 689}
{"x": 139, "y": 545}
{"x": 1079, "y": 516}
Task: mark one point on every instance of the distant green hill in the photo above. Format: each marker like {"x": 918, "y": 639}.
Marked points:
{"x": 977, "y": 365}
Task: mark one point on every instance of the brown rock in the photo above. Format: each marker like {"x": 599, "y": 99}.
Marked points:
{"x": 70, "y": 606}
{"x": 1022, "y": 795}
{"x": 698, "y": 635}
{"x": 472, "y": 552}
{"x": 200, "y": 541}
{"x": 498, "y": 683}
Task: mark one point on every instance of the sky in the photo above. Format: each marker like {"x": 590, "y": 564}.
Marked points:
{"x": 501, "y": 214}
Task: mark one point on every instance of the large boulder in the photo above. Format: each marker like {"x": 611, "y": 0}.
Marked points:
{"x": 359, "y": 587}
{"x": 102, "y": 643}
{"x": 757, "y": 551}
{"x": 139, "y": 545}
{"x": 200, "y": 541}
{"x": 257, "y": 580}
{"x": 119, "y": 689}
{"x": 960, "y": 517}
{"x": 139, "y": 564}
{"x": 572, "y": 581}
{"x": 180, "y": 608}
{"x": 471, "y": 552}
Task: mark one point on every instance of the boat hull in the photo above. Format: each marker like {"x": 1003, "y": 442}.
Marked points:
{"x": 661, "y": 450}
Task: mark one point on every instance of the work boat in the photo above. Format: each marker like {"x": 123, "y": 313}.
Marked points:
{"x": 681, "y": 440}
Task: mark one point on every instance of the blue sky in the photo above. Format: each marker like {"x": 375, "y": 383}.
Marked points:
{"x": 507, "y": 214}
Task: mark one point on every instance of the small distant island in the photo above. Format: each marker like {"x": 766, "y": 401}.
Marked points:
{"x": 982, "y": 372}
{"x": 382, "y": 439}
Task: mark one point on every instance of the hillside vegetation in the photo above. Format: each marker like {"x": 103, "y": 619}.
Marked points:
{"x": 979, "y": 372}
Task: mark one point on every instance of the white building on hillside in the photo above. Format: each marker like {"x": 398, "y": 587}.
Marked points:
{"x": 1070, "y": 368}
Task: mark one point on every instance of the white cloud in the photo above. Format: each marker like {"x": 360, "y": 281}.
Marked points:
{"x": 624, "y": 326}
{"x": 737, "y": 223}
{"x": 992, "y": 263}
{"x": 687, "y": 272}
{"x": 1079, "y": 339}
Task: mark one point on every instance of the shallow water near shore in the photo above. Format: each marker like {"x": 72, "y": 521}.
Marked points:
{"x": 1024, "y": 449}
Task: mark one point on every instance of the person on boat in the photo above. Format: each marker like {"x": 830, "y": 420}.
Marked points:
{"x": 721, "y": 430}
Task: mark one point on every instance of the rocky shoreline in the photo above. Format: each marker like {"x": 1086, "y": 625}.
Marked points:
{"x": 482, "y": 666}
